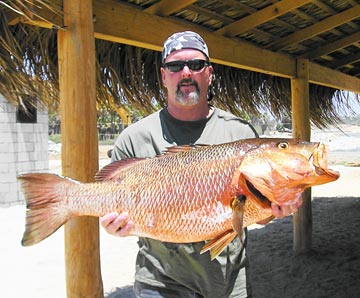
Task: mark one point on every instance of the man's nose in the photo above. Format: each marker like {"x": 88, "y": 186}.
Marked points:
{"x": 186, "y": 72}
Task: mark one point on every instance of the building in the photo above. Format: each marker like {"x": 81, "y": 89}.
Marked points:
{"x": 23, "y": 148}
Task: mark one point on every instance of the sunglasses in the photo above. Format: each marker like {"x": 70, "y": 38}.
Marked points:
{"x": 195, "y": 65}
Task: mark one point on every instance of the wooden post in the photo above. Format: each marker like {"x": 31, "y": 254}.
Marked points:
{"x": 301, "y": 130}
{"x": 76, "y": 49}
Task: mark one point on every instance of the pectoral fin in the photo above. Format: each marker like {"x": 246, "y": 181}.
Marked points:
{"x": 218, "y": 244}
{"x": 266, "y": 220}
{"x": 238, "y": 207}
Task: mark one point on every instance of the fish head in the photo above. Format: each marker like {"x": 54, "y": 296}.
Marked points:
{"x": 279, "y": 170}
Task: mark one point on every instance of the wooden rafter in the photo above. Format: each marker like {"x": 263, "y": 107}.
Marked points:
{"x": 238, "y": 5}
{"x": 322, "y": 26}
{"x": 347, "y": 60}
{"x": 262, "y": 16}
{"x": 168, "y": 7}
{"x": 211, "y": 15}
{"x": 225, "y": 20}
{"x": 251, "y": 10}
{"x": 333, "y": 46}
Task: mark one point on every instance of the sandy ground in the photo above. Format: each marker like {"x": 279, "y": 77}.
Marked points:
{"x": 331, "y": 269}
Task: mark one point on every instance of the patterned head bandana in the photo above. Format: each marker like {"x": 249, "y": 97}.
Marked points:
{"x": 184, "y": 40}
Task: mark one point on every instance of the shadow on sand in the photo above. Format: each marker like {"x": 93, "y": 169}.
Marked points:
{"x": 330, "y": 269}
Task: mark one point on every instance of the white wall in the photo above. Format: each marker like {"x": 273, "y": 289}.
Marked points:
{"x": 23, "y": 148}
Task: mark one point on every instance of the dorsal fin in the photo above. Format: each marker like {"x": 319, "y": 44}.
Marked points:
{"x": 183, "y": 148}
{"x": 113, "y": 170}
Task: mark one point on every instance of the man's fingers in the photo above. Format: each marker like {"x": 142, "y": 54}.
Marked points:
{"x": 125, "y": 230}
{"x": 276, "y": 210}
{"x": 285, "y": 210}
{"x": 117, "y": 224}
{"x": 108, "y": 219}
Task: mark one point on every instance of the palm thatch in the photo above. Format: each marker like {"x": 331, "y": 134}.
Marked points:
{"x": 129, "y": 76}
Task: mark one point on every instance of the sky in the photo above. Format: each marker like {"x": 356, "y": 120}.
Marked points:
{"x": 355, "y": 105}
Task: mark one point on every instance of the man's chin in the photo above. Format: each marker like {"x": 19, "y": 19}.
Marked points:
{"x": 188, "y": 99}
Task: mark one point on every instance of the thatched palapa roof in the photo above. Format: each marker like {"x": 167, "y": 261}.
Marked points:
{"x": 253, "y": 44}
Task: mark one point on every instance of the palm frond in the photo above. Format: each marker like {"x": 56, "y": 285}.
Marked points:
{"x": 128, "y": 76}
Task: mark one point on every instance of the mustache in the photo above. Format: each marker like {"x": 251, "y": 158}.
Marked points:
{"x": 188, "y": 81}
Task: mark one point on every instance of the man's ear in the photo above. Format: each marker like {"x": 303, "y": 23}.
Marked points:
{"x": 211, "y": 75}
{"x": 162, "y": 69}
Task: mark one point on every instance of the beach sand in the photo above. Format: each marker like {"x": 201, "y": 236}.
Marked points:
{"x": 330, "y": 269}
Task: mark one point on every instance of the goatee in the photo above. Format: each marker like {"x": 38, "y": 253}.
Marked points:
{"x": 188, "y": 98}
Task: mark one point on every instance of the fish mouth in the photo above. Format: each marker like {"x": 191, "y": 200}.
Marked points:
{"x": 319, "y": 161}
{"x": 262, "y": 200}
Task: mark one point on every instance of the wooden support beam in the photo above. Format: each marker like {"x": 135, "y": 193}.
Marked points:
{"x": 324, "y": 76}
{"x": 300, "y": 105}
{"x": 79, "y": 154}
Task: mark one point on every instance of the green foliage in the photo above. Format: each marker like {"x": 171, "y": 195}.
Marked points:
{"x": 56, "y": 138}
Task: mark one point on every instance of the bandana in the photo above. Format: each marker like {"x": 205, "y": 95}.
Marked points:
{"x": 184, "y": 40}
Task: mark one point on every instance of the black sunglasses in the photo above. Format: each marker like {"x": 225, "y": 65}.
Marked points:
{"x": 195, "y": 65}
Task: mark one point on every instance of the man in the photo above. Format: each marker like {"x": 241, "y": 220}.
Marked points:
{"x": 179, "y": 270}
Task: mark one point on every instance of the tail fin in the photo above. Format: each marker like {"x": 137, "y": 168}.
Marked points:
{"x": 45, "y": 210}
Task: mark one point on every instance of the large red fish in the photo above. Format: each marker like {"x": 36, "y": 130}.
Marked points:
{"x": 189, "y": 194}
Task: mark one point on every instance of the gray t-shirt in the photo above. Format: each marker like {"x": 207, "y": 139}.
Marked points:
{"x": 160, "y": 263}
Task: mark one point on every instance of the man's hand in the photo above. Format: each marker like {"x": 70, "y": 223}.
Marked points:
{"x": 117, "y": 224}
{"x": 282, "y": 211}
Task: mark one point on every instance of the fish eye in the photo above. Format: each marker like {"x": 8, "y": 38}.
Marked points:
{"x": 283, "y": 145}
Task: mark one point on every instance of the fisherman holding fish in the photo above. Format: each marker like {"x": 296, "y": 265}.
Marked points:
{"x": 191, "y": 178}
{"x": 165, "y": 269}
